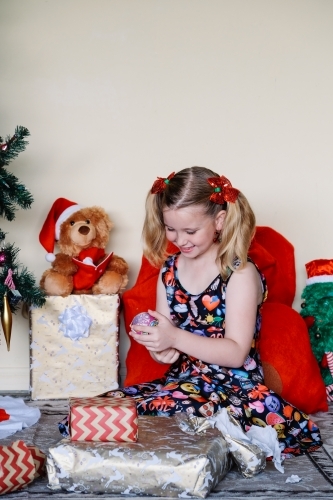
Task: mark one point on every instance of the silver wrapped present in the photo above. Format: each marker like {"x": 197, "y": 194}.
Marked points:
{"x": 249, "y": 458}
{"x": 165, "y": 461}
{"x": 248, "y": 454}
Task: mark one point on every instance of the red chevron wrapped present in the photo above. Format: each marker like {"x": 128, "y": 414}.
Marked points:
{"x": 103, "y": 419}
{"x": 39, "y": 460}
{"x": 19, "y": 465}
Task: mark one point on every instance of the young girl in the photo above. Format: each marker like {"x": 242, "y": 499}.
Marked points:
{"x": 208, "y": 310}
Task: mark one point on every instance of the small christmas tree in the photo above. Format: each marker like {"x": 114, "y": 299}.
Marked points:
{"x": 17, "y": 284}
{"x": 317, "y": 311}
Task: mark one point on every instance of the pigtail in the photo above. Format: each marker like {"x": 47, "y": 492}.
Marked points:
{"x": 238, "y": 231}
{"x": 153, "y": 233}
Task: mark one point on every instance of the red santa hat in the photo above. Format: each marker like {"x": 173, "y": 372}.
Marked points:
{"x": 60, "y": 211}
{"x": 319, "y": 271}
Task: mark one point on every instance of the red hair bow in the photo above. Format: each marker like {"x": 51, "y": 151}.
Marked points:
{"x": 223, "y": 190}
{"x": 161, "y": 183}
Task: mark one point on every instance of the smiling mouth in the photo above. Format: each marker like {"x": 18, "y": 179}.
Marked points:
{"x": 186, "y": 249}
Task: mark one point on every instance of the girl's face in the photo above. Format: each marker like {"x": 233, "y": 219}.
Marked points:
{"x": 191, "y": 229}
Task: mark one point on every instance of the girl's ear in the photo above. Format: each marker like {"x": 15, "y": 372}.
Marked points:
{"x": 219, "y": 220}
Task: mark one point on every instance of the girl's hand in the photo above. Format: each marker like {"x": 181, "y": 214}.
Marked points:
{"x": 156, "y": 338}
{"x": 168, "y": 356}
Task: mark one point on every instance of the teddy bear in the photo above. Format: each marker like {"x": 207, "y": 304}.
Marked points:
{"x": 317, "y": 311}
{"x": 81, "y": 266}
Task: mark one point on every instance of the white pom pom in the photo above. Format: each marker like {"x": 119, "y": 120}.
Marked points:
{"x": 50, "y": 257}
{"x": 88, "y": 261}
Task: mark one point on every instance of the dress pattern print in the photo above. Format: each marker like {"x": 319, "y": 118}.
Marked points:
{"x": 196, "y": 387}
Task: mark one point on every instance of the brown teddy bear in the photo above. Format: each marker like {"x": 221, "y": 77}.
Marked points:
{"x": 82, "y": 266}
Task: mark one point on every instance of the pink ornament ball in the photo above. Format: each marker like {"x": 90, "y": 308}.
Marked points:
{"x": 144, "y": 319}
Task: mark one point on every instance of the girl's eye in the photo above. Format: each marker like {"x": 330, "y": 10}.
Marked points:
{"x": 169, "y": 229}
{"x": 190, "y": 232}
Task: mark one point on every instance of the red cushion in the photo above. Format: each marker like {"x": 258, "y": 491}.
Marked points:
{"x": 290, "y": 367}
{"x": 274, "y": 255}
{"x": 140, "y": 366}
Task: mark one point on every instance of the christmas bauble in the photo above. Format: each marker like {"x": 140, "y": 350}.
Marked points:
{"x": 6, "y": 320}
{"x": 144, "y": 319}
{"x": 2, "y": 258}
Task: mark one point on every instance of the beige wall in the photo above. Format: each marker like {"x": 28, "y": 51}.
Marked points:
{"x": 116, "y": 92}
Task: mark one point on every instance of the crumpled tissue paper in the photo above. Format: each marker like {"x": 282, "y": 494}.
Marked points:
{"x": 21, "y": 416}
{"x": 248, "y": 449}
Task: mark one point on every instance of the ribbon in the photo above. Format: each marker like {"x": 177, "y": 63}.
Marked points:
{"x": 9, "y": 280}
{"x": 223, "y": 190}
{"x": 161, "y": 183}
{"x": 75, "y": 322}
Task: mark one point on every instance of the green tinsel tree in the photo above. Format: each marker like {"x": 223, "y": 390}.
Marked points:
{"x": 17, "y": 284}
{"x": 317, "y": 310}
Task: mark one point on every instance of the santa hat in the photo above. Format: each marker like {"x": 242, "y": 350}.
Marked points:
{"x": 319, "y": 271}
{"x": 60, "y": 211}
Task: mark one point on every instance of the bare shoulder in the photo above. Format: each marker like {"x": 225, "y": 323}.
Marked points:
{"x": 246, "y": 278}
{"x": 248, "y": 270}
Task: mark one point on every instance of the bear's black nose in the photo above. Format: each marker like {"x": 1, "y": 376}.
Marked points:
{"x": 84, "y": 230}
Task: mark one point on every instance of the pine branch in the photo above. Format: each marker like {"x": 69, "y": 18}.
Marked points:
{"x": 13, "y": 194}
{"x": 13, "y": 146}
{"x": 10, "y": 257}
{"x": 15, "y": 280}
{"x": 26, "y": 284}
{"x": 22, "y": 281}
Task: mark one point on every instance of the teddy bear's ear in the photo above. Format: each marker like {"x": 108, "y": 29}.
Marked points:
{"x": 100, "y": 218}
{"x": 108, "y": 222}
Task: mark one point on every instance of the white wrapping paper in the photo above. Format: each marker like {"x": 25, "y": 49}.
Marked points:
{"x": 21, "y": 416}
{"x": 74, "y": 346}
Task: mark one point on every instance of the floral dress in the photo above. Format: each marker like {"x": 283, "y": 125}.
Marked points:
{"x": 196, "y": 387}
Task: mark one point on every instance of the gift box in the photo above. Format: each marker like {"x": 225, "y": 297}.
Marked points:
{"x": 164, "y": 462}
{"x": 74, "y": 346}
{"x": 103, "y": 419}
{"x": 19, "y": 466}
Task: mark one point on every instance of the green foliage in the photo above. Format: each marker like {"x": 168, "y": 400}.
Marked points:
{"x": 22, "y": 285}
{"x": 318, "y": 304}
{"x": 24, "y": 282}
{"x": 13, "y": 146}
{"x": 13, "y": 194}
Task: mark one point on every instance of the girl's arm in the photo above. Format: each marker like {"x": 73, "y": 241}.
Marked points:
{"x": 169, "y": 355}
{"x": 243, "y": 294}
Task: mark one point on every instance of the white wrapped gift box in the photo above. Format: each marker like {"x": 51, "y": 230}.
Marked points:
{"x": 74, "y": 346}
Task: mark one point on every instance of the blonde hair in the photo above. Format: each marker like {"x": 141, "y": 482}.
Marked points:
{"x": 190, "y": 187}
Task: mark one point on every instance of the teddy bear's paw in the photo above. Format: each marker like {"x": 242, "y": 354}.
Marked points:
{"x": 124, "y": 283}
{"x": 63, "y": 264}
{"x": 54, "y": 283}
{"x": 118, "y": 265}
{"x": 109, "y": 284}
